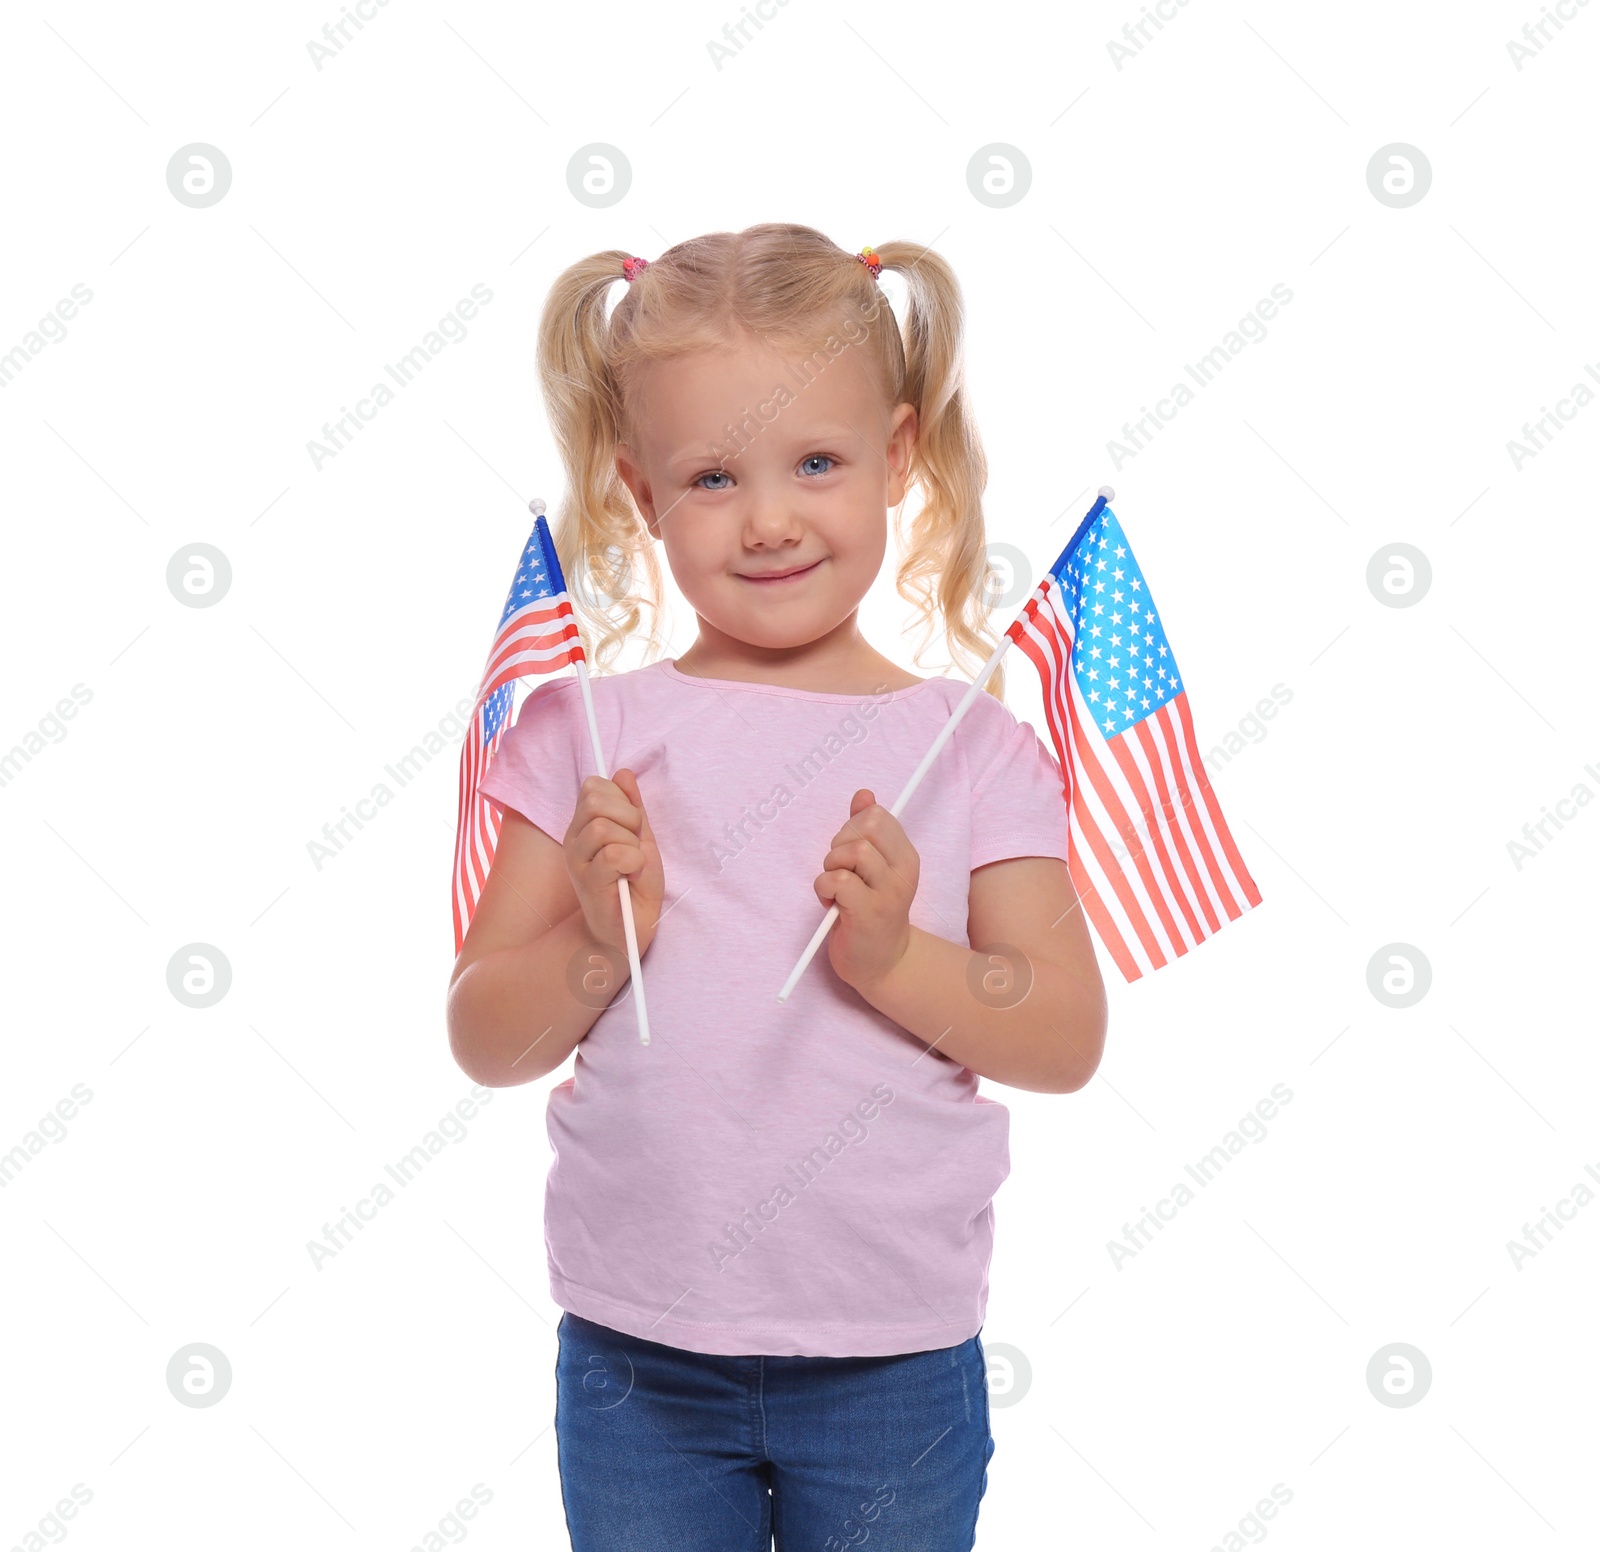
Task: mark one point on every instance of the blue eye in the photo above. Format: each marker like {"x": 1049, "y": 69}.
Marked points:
{"x": 714, "y": 474}
{"x": 826, "y": 458}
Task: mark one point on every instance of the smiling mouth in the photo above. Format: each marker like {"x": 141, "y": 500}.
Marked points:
{"x": 768, "y": 579}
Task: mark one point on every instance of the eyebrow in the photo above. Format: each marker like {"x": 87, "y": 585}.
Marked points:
{"x": 707, "y": 453}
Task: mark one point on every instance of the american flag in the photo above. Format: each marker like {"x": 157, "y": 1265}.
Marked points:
{"x": 537, "y": 635}
{"x": 1148, "y": 849}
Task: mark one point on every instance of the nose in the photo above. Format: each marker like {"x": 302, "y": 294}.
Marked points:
{"x": 770, "y": 522}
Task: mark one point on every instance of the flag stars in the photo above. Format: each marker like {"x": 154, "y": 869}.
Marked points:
{"x": 1111, "y": 622}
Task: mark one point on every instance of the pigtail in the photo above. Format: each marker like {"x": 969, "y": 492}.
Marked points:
{"x": 944, "y": 569}
{"x": 605, "y": 550}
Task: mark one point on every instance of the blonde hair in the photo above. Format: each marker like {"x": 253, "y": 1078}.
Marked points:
{"x": 788, "y": 284}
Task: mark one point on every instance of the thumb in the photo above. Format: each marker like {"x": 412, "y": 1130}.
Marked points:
{"x": 862, "y": 799}
{"x": 629, "y": 783}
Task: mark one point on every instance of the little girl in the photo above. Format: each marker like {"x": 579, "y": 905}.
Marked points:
{"x": 770, "y": 1228}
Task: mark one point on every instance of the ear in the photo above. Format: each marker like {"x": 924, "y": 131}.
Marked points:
{"x": 902, "y": 439}
{"x": 632, "y": 475}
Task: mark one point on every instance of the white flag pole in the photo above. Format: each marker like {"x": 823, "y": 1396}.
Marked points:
{"x": 916, "y": 777}
{"x": 630, "y": 932}
{"x": 628, "y": 928}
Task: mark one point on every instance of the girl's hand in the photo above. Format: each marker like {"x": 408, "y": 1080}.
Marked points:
{"x": 610, "y": 838}
{"x": 871, "y": 875}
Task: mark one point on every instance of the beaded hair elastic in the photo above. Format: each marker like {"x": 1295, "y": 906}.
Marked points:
{"x": 631, "y": 268}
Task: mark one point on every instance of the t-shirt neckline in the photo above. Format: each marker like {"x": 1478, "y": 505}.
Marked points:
{"x": 671, "y": 670}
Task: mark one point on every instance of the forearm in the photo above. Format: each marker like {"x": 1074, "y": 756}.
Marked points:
{"x": 1050, "y": 1040}
{"x": 517, "y": 1013}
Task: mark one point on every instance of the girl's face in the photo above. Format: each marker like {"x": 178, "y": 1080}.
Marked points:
{"x": 768, "y": 478}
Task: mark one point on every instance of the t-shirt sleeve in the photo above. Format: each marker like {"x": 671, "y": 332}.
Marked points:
{"x": 1018, "y": 807}
{"x": 537, "y": 769}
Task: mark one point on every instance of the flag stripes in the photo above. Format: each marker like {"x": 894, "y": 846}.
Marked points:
{"x": 538, "y": 634}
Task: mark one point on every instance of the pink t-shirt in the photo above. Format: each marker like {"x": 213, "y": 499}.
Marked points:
{"x": 766, "y": 1177}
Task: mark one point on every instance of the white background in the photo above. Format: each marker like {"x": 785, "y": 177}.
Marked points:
{"x": 1167, "y": 198}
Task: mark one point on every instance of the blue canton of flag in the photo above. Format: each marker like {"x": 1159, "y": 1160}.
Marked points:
{"x": 1120, "y": 657}
{"x": 495, "y": 710}
{"x": 538, "y": 573}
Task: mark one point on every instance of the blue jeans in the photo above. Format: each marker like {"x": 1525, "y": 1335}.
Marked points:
{"x": 663, "y": 1450}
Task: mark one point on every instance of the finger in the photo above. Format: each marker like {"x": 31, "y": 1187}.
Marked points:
{"x": 599, "y": 833}
{"x": 877, "y": 825}
{"x": 863, "y": 859}
{"x": 880, "y": 830}
{"x": 841, "y": 887}
{"x": 599, "y": 797}
{"x": 629, "y": 783}
{"x": 617, "y": 859}
{"x": 895, "y": 847}
{"x": 862, "y": 801}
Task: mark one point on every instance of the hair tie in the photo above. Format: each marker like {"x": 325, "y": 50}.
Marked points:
{"x": 871, "y": 260}
{"x": 632, "y": 267}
